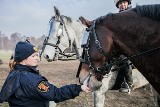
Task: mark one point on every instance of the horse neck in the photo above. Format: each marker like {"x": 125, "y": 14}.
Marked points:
{"x": 138, "y": 34}
{"x": 77, "y": 27}
{"x": 130, "y": 31}
{"x": 76, "y": 36}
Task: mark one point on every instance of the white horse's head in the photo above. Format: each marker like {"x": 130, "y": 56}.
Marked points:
{"x": 56, "y": 40}
{"x": 64, "y": 33}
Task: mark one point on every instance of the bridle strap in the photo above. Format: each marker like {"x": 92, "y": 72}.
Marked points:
{"x": 65, "y": 28}
{"x": 50, "y": 44}
{"x": 115, "y": 62}
{"x": 103, "y": 69}
{"x": 56, "y": 45}
{"x": 59, "y": 50}
{"x": 98, "y": 44}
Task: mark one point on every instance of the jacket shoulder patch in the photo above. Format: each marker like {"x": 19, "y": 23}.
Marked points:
{"x": 43, "y": 87}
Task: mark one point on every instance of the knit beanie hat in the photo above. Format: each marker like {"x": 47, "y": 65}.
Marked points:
{"x": 23, "y": 50}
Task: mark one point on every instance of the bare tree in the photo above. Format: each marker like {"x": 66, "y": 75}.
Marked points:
{"x": 2, "y": 36}
{"x": 15, "y": 37}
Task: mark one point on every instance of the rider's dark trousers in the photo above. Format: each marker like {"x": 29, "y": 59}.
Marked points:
{"x": 126, "y": 69}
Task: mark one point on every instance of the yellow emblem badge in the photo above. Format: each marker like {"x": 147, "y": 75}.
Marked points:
{"x": 43, "y": 87}
{"x": 35, "y": 49}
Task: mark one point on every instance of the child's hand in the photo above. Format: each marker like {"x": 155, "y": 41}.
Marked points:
{"x": 85, "y": 88}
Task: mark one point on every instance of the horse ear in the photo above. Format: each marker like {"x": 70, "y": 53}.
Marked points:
{"x": 57, "y": 13}
{"x": 85, "y": 21}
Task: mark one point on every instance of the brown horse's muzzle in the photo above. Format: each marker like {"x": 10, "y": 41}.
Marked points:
{"x": 94, "y": 84}
{"x": 91, "y": 82}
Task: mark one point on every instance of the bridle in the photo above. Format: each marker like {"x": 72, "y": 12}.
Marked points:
{"x": 104, "y": 69}
{"x": 61, "y": 25}
{"x": 112, "y": 60}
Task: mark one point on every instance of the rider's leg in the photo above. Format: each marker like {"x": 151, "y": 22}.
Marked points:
{"x": 128, "y": 75}
{"x": 126, "y": 69}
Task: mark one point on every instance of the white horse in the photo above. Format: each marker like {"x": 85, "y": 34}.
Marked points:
{"x": 64, "y": 33}
{"x": 108, "y": 83}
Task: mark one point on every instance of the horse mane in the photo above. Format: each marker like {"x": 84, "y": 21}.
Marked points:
{"x": 151, "y": 11}
{"x": 68, "y": 18}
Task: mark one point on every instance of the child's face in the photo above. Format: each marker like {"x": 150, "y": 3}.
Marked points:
{"x": 123, "y": 5}
{"x": 32, "y": 60}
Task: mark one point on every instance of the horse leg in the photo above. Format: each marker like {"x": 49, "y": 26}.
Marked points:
{"x": 98, "y": 98}
{"x": 158, "y": 100}
{"x": 57, "y": 55}
{"x": 156, "y": 96}
{"x": 99, "y": 95}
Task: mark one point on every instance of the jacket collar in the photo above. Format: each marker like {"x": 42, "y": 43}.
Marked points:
{"x": 32, "y": 69}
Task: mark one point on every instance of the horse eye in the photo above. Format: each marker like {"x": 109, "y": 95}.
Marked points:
{"x": 59, "y": 37}
{"x": 61, "y": 23}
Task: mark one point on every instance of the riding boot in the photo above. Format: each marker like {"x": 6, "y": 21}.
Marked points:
{"x": 126, "y": 86}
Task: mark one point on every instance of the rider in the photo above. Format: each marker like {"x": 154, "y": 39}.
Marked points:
{"x": 123, "y": 5}
{"x": 28, "y": 39}
{"x": 126, "y": 69}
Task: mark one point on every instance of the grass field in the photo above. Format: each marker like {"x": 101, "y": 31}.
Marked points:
{"x": 61, "y": 73}
{"x": 5, "y": 55}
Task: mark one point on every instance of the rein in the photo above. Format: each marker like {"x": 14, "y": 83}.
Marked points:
{"x": 130, "y": 57}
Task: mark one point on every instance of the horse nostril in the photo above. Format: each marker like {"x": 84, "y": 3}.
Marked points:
{"x": 47, "y": 57}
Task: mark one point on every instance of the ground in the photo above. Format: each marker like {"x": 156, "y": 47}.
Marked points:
{"x": 61, "y": 73}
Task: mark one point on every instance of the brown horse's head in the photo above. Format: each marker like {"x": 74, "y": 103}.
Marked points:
{"x": 96, "y": 59}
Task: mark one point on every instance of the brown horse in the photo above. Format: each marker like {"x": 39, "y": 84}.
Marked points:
{"x": 133, "y": 33}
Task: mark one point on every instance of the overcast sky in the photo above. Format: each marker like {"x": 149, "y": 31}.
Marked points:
{"x": 31, "y": 17}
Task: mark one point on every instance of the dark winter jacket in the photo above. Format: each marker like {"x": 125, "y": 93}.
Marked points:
{"x": 25, "y": 87}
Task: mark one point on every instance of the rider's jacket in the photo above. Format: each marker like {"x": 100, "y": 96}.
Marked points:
{"x": 25, "y": 87}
